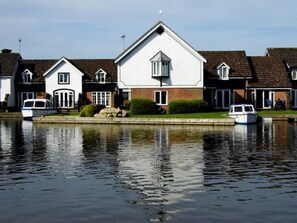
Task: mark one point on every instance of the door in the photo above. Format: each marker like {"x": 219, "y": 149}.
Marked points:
{"x": 265, "y": 99}
{"x": 223, "y": 99}
{"x": 64, "y": 98}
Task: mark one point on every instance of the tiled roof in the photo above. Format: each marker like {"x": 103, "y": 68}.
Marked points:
{"x": 8, "y": 63}
{"x": 269, "y": 72}
{"x": 287, "y": 54}
{"x": 88, "y": 66}
{"x": 37, "y": 67}
{"x": 236, "y": 60}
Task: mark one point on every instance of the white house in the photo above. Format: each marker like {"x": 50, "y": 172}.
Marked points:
{"x": 63, "y": 81}
{"x": 161, "y": 66}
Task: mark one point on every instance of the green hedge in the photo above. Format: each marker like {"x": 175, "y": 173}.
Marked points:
{"x": 142, "y": 106}
{"x": 90, "y": 110}
{"x": 187, "y": 106}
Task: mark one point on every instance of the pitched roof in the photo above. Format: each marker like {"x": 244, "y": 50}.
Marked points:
{"x": 287, "y": 54}
{"x": 8, "y": 63}
{"x": 37, "y": 67}
{"x": 269, "y": 72}
{"x": 87, "y": 66}
{"x": 159, "y": 27}
{"x": 236, "y": 60}
{"x": 90, "y": 67}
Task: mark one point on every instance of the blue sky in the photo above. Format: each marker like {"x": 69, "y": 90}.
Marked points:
{"x": 93, "y": 28}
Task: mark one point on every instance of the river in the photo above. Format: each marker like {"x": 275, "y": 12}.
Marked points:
{"x": 134, "y": 173}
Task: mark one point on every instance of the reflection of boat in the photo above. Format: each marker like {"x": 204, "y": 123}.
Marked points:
{"x": 37, "y": 107}
{"x": 243, "y": 113}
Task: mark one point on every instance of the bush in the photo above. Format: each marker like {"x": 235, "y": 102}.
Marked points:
{"x": 187, "y": 106}
{"x": 142, "y": 106}
{"x": 90, "y": 110}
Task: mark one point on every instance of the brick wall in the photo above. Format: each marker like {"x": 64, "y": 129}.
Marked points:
{"x": 173, "y": 94}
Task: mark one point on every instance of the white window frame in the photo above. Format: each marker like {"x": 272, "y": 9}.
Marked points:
{"x": 64, "y": 78}
{"x": 160, "y": 65}
{"x": 223, "y": 71}
{"x": 293, "y": 98}
{"x": 158, "y": 97}
{"x": 101, "y": 76}
{"x": 27, "y": 76}
{"x": 294, "y": 75}
{"x": 26, "y": 95}
{"x": 101, "y": 98}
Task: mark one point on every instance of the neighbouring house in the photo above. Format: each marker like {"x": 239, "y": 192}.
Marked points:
{"x": 226, "y": 75}
{"x": 9, "y": 63}
{"x": 270, "y": 81}
{"x": 160, "y": 66}
{"x": 68, "y": 83}
{"x": 289, "y": 56}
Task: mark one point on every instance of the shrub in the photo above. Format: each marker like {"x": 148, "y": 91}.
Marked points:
{"x": 142, "y": 106}
{"x": 187, "y": 106}
{"x": 90, "y": 110}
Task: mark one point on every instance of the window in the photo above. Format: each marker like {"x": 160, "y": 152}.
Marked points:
{"x": 101, "y": 76}
{"x": 223, "y": 71}
{"x": 27, "y": 76}
{"x": 64, "y": 78}
{"x": 101, "y": 98}
{"x": 294, "y": 74}
{"x": 161, "y": 97}
{"x": 160, "y": 65}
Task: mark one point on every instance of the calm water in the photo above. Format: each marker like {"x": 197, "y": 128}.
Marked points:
{"x": 100, "y": 173}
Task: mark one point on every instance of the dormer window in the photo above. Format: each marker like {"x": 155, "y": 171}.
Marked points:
{"x": 223, "y": 71}
{"x": 27, "y": 76}
{"x": 101, "y": 76}
{"x": 294, "y": 75}
{"x": 160, "y": 65}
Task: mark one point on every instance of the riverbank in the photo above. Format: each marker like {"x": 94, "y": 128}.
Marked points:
{"x": 133, "y": 121}
{"x": 70, "y": 119}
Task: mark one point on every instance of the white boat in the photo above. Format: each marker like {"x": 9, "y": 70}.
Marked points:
{"x": 37, "y": 107}
{"x": 243, "y": 113}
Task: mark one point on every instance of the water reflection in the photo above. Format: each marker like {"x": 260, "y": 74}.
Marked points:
{"x": 157, "y": 173}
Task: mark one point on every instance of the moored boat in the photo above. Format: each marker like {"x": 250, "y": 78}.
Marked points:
{"x": 37, "y": 107}
{"x": 243, "y": 113}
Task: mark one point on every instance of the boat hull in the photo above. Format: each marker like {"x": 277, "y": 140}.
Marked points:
{"x": 245, "y": 118}
{"x": 29, "y": 113}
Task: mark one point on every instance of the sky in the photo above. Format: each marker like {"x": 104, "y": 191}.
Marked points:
{"x": 92, "y": 29}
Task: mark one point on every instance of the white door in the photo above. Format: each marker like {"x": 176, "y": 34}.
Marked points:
{"x": 64, "y": 98}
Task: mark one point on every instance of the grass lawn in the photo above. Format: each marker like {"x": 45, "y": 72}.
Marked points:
{"x": 215, "y": 114}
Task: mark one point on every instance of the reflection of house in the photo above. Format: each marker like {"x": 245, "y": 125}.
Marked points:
{"x": 226, "y": 75}
{"x": 67, "y": 82}
{"x": 162, "y": 67}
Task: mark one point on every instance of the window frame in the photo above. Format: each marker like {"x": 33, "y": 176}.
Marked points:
{"x": 62, "y": 76}
{"x": 223, "y": 71}
{"x": 101, "y": 76}
{"x": 294, "y": 75}
{"x": 102, "y": 98}
{"x": 159, "y": 97}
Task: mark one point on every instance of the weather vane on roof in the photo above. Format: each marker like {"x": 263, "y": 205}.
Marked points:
{"x": 161, "y": 13}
